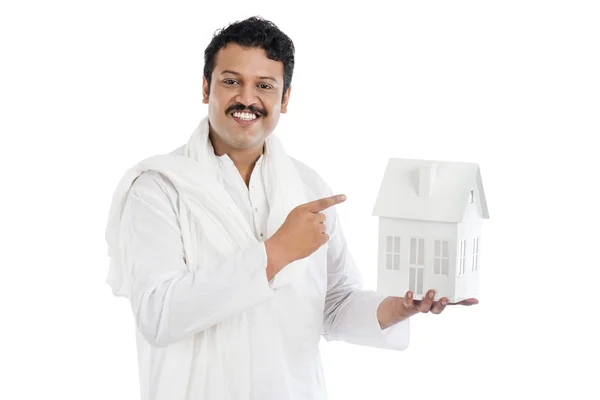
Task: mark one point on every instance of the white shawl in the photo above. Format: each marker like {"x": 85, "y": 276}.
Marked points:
{"x": 205, "y": 204}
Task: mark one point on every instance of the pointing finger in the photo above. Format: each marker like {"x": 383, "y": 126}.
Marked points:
{"x": 324, "y": 203}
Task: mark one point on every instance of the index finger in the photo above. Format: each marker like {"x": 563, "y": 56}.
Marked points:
{"x": 324, "y": 203}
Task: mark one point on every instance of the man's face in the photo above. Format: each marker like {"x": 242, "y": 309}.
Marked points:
{"x": 245, "y": 97}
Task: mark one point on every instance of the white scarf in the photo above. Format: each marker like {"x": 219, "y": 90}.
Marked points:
{"x": 220, "y": 354}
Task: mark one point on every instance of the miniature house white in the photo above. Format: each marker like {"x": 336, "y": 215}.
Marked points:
{"x": 430, "y": 218}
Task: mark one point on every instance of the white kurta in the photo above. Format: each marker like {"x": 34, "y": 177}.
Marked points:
{"x": 171, "y": 307}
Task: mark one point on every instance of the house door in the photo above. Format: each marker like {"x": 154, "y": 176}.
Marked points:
{"x": 416, "y": 268}
{"x": 415, "y": 279}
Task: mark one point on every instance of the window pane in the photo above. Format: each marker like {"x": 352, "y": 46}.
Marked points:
{"x": 437, "y": 248}
{"x": 396, "y": 245}
{"x": 445, "y": 248}
{"x": 411, "y": 279}
{"x": 389, "y": 244}
{"x": 388, "y": 262}
{"x": 396, "y": 261}
{"x": 445, "y": 263}
{"x": 420, "y": 280}
{"x": 413, "y": 251}
{"x": 436, "y": 265}
{"x": 421, "y": 251}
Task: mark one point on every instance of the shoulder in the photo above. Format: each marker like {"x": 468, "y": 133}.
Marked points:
{"x": 156, "y": 190}
{"x": 155, "y": 183}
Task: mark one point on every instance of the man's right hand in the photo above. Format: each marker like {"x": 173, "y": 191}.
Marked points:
{"x": 300, "y": 235}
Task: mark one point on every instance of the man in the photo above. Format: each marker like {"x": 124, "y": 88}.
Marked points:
{"x": 231, "y": 252}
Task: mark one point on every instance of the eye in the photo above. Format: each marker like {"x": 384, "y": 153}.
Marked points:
{"x": 230, "y": 81}
{"x": 265, "y": 86}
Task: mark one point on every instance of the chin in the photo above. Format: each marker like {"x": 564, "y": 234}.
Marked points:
{"x": 241, "y": 141}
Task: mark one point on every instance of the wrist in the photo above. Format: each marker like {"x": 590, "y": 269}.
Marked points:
{"x": 275, "y": 257}
{"x": 390, "y": 312}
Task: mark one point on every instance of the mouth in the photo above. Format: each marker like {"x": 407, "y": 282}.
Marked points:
{"x": 245, "y": 118}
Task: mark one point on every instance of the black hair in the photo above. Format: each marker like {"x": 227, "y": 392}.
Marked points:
{"x": 253, "y": 32}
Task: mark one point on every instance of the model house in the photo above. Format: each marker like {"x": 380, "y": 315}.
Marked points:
{"x": 430, "y": 219}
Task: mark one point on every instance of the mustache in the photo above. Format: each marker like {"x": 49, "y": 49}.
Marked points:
{"x": 240, "y": 107}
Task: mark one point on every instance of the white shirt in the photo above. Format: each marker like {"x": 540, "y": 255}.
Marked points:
{"x": 192, "y": 301}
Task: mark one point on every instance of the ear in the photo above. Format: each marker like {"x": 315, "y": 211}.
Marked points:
{"x": 205, "y": 90}
{"x": 286, "y": 100}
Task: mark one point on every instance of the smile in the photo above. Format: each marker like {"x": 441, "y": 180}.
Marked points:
{"x": 245, "y": 118}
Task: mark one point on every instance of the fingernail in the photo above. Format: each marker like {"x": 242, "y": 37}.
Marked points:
{"x": 409, "y": 295}
{"x": 431, "y": 294}
{"x": 444, "y": 302}
{"x": 342, "y": 197}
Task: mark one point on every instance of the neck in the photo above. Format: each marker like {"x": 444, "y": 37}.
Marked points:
{"x": 243, "y": 159}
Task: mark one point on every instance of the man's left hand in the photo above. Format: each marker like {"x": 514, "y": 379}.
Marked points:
{"x": 395, "y": 309}
{"x": 406, "y": 306}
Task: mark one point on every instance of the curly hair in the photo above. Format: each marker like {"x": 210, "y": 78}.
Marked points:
{"x": 253, "y": 32}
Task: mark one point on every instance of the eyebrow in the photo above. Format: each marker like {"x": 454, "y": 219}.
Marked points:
{"x": 227, "y": 71}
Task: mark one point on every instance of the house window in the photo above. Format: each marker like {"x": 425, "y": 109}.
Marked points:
{"x": 471, "y": 197}
{"x": 475, "y": 266}
{"x": 461, "y": 260}
{"x": 441, "y": 259}
{"x": 392, "y": 253}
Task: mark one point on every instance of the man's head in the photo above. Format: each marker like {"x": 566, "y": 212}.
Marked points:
{"x": 248, "y": 68}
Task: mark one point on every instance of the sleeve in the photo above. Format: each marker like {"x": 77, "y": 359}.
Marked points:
{"x": 169, "y": 302}
{"x": 350, "y": 311}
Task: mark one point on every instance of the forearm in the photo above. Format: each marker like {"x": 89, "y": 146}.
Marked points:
{"x": 356, "y": 320}
{"x": 180, "y": 304}
{"x": 350, "y": 314}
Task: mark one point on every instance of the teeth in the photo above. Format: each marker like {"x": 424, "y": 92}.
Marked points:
{"x": 244, "y": 116}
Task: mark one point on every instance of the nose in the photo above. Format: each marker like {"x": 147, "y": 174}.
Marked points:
{"x": 246, "y": 95}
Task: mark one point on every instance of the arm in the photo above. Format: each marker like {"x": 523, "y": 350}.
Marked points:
{"x": 353, "y": 314}
{"x": 169, "y": 302}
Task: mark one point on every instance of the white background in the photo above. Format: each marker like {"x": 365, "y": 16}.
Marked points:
{"x": 89, "y": 88}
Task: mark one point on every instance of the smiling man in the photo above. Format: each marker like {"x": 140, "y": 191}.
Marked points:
{"x": 230, "y": 252}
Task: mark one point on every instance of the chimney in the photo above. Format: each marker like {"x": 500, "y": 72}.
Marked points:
{"x": 426, "y": 179}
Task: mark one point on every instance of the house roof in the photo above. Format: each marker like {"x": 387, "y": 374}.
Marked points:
{"x": 429, "y": 190}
